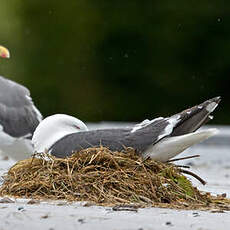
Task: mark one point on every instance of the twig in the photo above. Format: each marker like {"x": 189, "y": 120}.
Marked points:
{"x": 133, "y": 208}
{"x": 182, "y": 158}
{"x": 194, "y": 175}
{"x": 183, "y": 166}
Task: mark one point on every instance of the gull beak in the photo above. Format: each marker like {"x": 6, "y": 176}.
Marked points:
{"x": 4, "y": 52}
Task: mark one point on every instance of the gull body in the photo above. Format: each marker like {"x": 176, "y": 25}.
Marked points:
{"x": 160, "y": 139}
{"x": 18, "y": 119}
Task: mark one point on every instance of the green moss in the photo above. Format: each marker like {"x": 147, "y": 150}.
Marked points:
{"x": 186, "y": 185}
{"x": 168, "y": 173}
{"x": 180, "y": 180}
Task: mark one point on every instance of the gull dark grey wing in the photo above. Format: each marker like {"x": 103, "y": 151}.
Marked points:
{"x": 193, "y": 118}
{"x": 18, "y": 115}
{"x": 141, "y": 136}
{"x": 115, "y": 139}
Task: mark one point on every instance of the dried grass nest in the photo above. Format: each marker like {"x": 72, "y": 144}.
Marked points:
{"x": 108, "y": 178}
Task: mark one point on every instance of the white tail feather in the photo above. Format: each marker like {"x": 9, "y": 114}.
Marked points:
{"x": 169, "y": 147}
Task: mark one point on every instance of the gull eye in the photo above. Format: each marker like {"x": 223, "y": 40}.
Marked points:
{"x": 77, "y": 127}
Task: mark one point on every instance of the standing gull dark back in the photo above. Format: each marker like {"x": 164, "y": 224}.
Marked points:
{"x": 18, "y": 119}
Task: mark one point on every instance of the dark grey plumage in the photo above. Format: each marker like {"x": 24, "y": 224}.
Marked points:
{"x": 193, "y": 118}
{"x": 140, "y": 138}
{"x": 18, "y": 115}
{"x": 115, "y": 139}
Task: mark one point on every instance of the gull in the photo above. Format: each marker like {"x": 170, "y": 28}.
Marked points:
{"x": 160, "y": 139}
{"x": 18, "y": 117}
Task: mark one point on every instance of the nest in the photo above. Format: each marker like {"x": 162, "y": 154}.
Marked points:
{"x": 103, "y": 177}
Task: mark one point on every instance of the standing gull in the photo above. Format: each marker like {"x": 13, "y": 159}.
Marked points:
{"x": 18, "y": 117}
{"x": 160, "y": 138}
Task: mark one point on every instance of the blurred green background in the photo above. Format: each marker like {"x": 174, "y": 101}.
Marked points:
{"x": 118, "y": 60}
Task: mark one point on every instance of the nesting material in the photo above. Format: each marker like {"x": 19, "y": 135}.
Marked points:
{"x": 103, "y": 177}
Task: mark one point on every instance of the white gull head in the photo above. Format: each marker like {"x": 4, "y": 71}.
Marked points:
{"x": 53, "y": 128}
